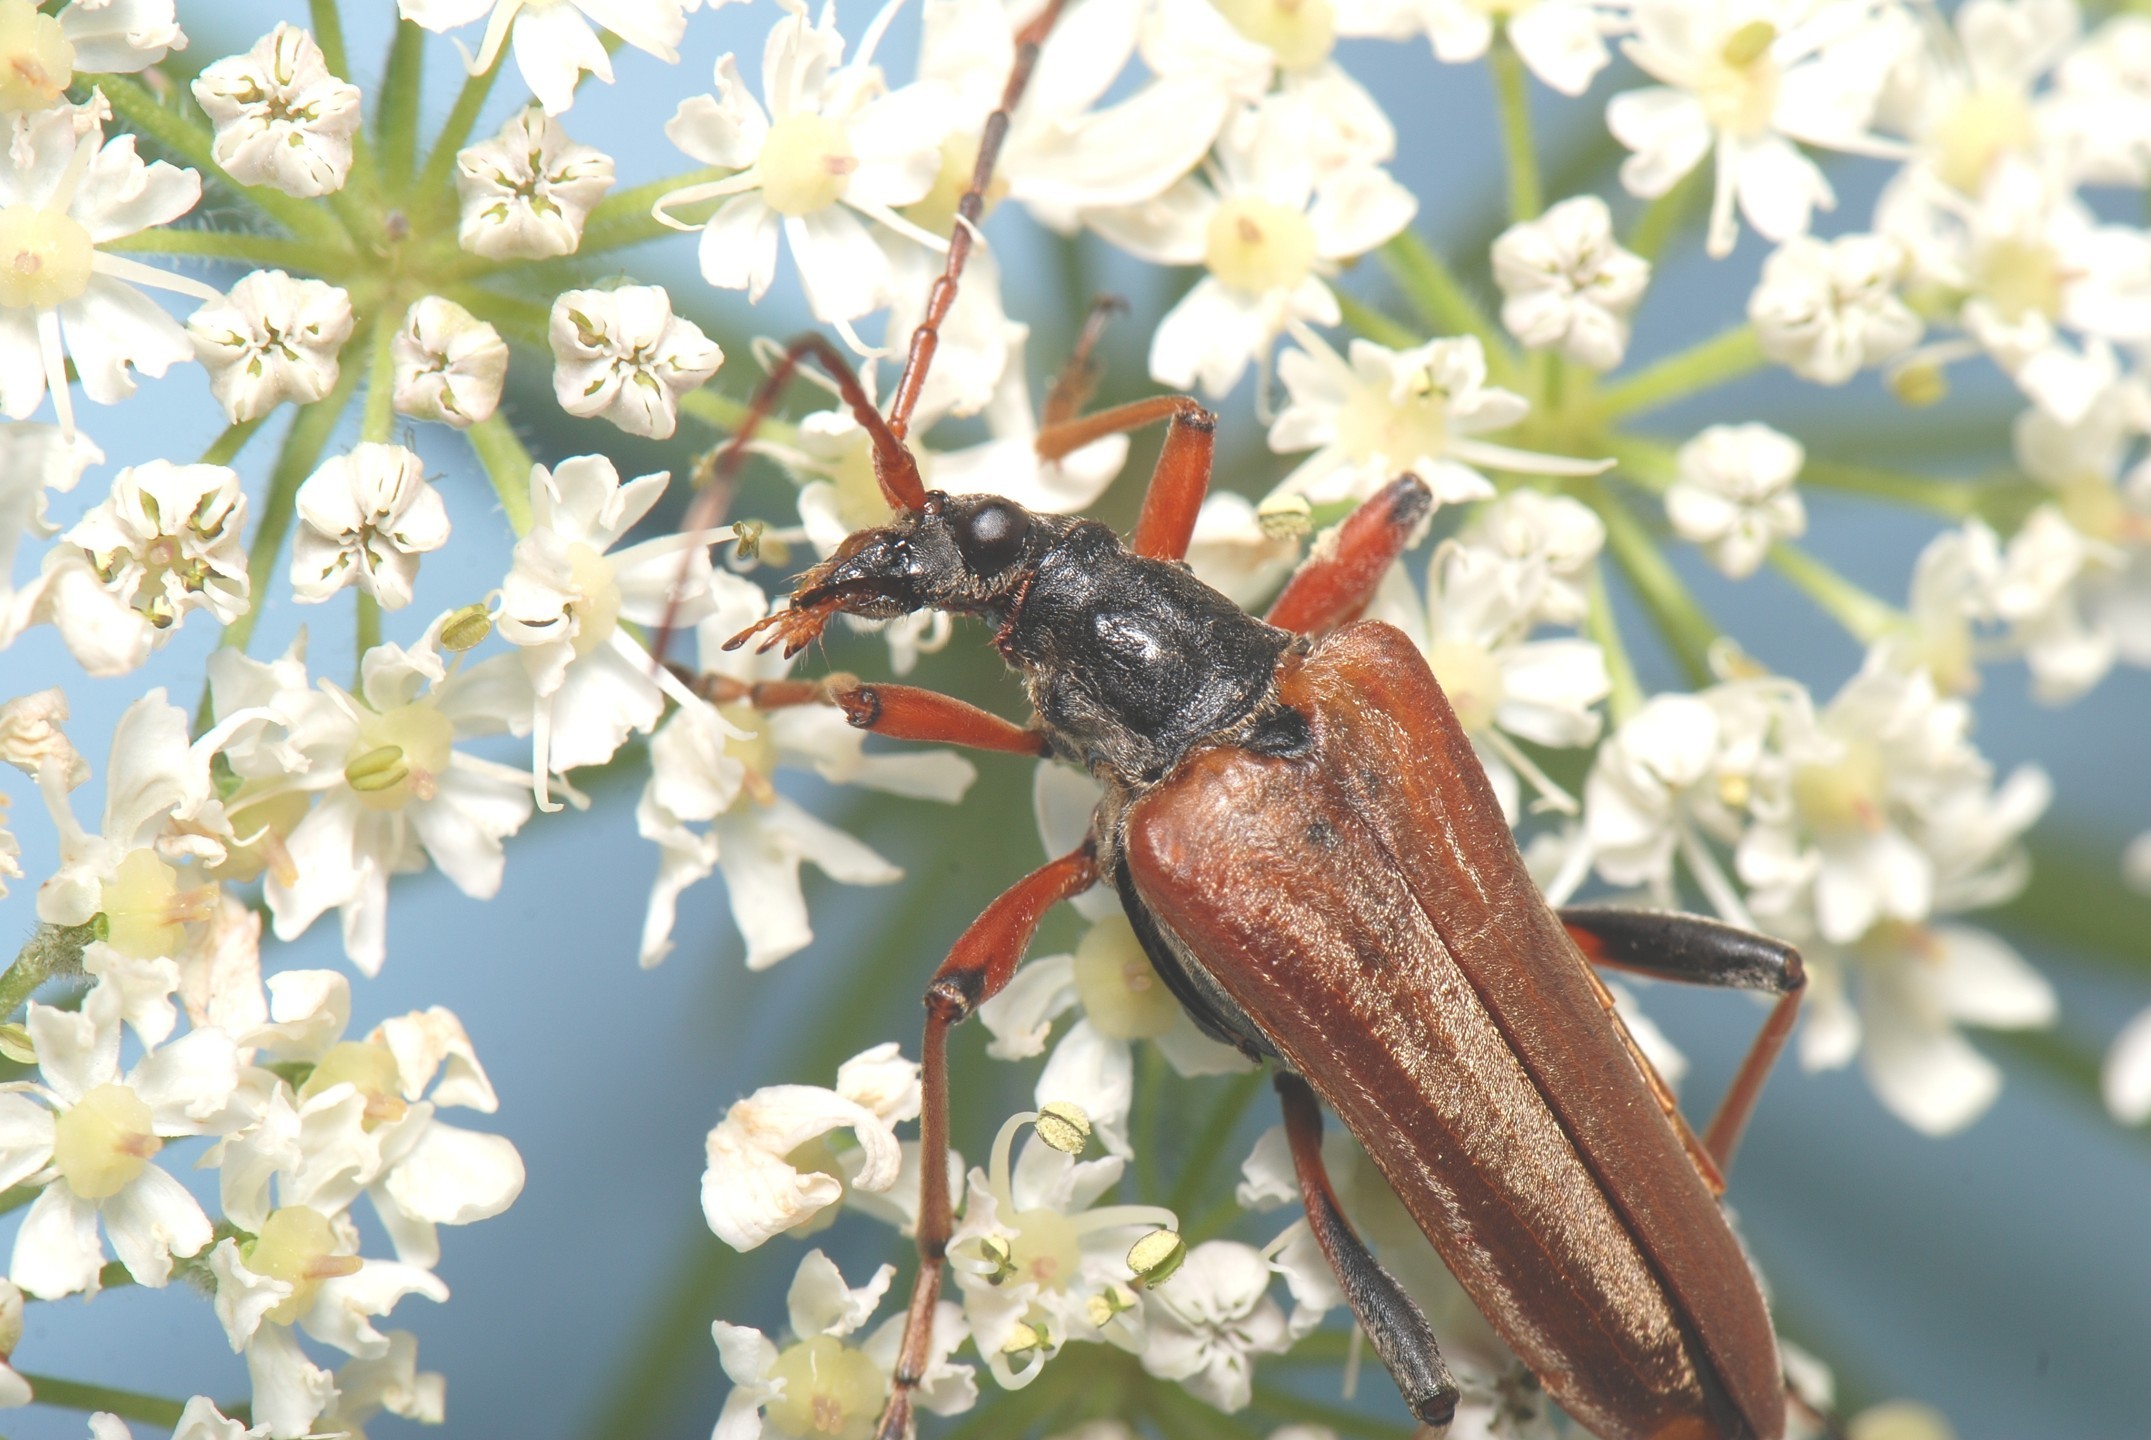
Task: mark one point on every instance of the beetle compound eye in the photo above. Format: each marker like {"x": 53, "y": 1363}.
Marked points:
{"x": 992, "y": 536}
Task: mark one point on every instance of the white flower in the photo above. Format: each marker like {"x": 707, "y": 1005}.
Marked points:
{"x": 1825, "y": 309}
{"x": 1499, "y": 682}
{"x": 282, "y": 119}
{"x": 1568, "y": 284}
{"x": 717, "y": 766}
{"x": 1562, "y": 41}
{"x": 527, "y": 191}
{"x": 88, "y": 1137}
{"x": 1387, "y": 412}
{"x": 364, "y": 519}
{"x": 33, "y": 460}
{"x": 624, "y": 356}
{"x": 272, "y": 339}
{"x": 1748, "y": 78}
{"x": 819, "y": 1385}
{"x": 1734, "y": 495}
{"x": 1547, "y": 543}
{"x": 393, "y": 1382}
{"x": 566, "y": 596}
{"x": 2024, "y": 259}
{"x": 1039, "y": 1262}
{"x": 64, "y": 191}
{"x": 31, "y": 737}
{"x": 2100, "y": 110}
{"x": 165, "y": 543}
{"x": 449, "y": 365}
{"x": 1969, "y": 103}
{"x": 834, "y": 145}
{"x": 392, "y": 789}
{"x": 91, "y": 37}
{"x": 2125, "y": 1079}
{"x": 556, "y": 41}
{"x": 760, "y": 1180}
{"x": 1268, "y": 227}
{"x": 1209, "y": 1321}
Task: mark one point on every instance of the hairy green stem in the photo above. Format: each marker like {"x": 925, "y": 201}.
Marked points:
{"x": 1602, "y": 626}
{"x": 396, "y": 119}
{"x": 378, "y": 419}
{"x": 242, "y": 246}
{"x": 723, "y": 412}
{"x": 328, "y": 28}
{"x": 1866, "y": 617}
{"x": 1513, "y": 98}
{"x": 1440, "y": 300}
{"x": 436, "y": 183}
{"x": 1703, "y": 366}
{"x": 1953, "y": 498}
{"x": 1687, "y": 628}
{"x": 525, "y": 322}
{"x": 127, "y": 1404}
{"x": 507, "y": 465}
{"x": 51, "y": 950}
{"x": 1202, "y": 1156}
{"x": 303, "y": 444}
{"x": 1372, "y": 323}
{"x": 625, "y": 219}
{"x": 226, "y": 447}
{"x": 1663, "y": 217}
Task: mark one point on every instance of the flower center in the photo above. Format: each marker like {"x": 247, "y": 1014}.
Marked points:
{"x": 103, "y": 1143}
{"x": 1256, "y": 246}
{"x": 297, "y": 1245}
{"x": 1471, "y": 678}
{"x": 144, "y": 907}
{"x": 756, "y": 750}
{"x": 2021, "y": 277}
{"x": 1299, "y": 33}
{"x": 371, "y": 1070}
{"x": 400, "y": 756}
{"x": 44, "y": 258}
{"x": 596, "y": 605}
{"x": 36, "y": 60}
{"x": 1120, "y": 991}
{"x": 1985, "y": 123}
{"x": 1739, "y": 88}
{"x": 1045, "y": 1250}
{"x": 261, "y": 826}
{"x": 829, "y": 1389}
{"x": 1373, "y": 426}
{"x": 1845, "y": 797}
{"x": 806, "y": 162}
{"x": 936, "y": 210}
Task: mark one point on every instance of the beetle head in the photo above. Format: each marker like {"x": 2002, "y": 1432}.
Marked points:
{"x": 963, "y": 553}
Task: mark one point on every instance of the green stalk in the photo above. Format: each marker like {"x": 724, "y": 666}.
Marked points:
{"x": 1372, "y": 323}
{"x": 1864, "y": 616}
{"x": 226, "y": 447}
{"x": 1953, "y": 498}
{"x": 127, "y": 1404}
{"x": 1440, "y": 299}
{"x": 303, "y": 444}
{"x": 1526, "y": 198}
{"x": 1202, "y": 1156}
{"x": 1603, "y": 627}
{"x": 378, "y": 420}
{"x": 368, "y": 635}
{"x": 526, "y": 322}
{"x": 624, "y": 218}
{"x": 1687, "y": 628}
{"x": 434, "y": 182}
{"x": 328, "y": 28}
{"x": 1663, "y": 218}
{"x": 272, "y": 251}
{"x": 192, "y": 142}
{"x": 396, "y": 120}
{"x": 1703, "y": 366}
{"x": 725, "y": 413}
{"x": 507, "y": 465}
{"x": 51, "y": 950}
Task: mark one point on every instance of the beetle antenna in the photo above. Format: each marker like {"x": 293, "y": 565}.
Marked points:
{"x": 926, "y": 339}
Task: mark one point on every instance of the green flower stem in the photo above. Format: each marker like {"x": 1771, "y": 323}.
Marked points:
{"x": 1687, "y": 629}
{"x": 435, "y": 188}
{"x": 507, "y": 465}
{"x": 367, "y": 637}
{"x": 1217, "y": 1132}
{"x": 1513, "y": 98}
{"x": 191, "y": 141}
{"x": 245, "y": 247}
{"x": 303, "y": 444}
{"x": 226, "y": 447}
{"x": 19, "y": 1196}
{"x": 1288, "y": 1406}
{"x": 1651, "y": 464}
{"x": 1372, "y": 323}
{"x": 625, "y": 219}
{"x": 1663, "y": 217}
{"x": 127, "y": 1404}
{"x": 1717, "y": 361}
{"x": 525, "y": 322}
{"x": 723, "y": 412}
{"x": 378, "y": 420}
{"x": 1602, "y": 626}
{"x": 51, "y": 950}
{"x": 1953, "y": 498}
{"x": 1441, "y": 301}
{"x": 1152, "y": 1075}
{"x": 396, "y": 119}
{"x": 328, "y": 28}
{"x": 1864, "y": 616}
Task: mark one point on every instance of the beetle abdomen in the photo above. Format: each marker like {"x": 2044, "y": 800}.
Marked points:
{"x": 1594, "y": 1248}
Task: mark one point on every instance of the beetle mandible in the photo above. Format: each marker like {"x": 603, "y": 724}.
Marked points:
{"x": 1315, "y": 863}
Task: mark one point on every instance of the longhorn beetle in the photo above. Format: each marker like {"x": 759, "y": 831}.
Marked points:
{"x": 1316, "y": 865}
